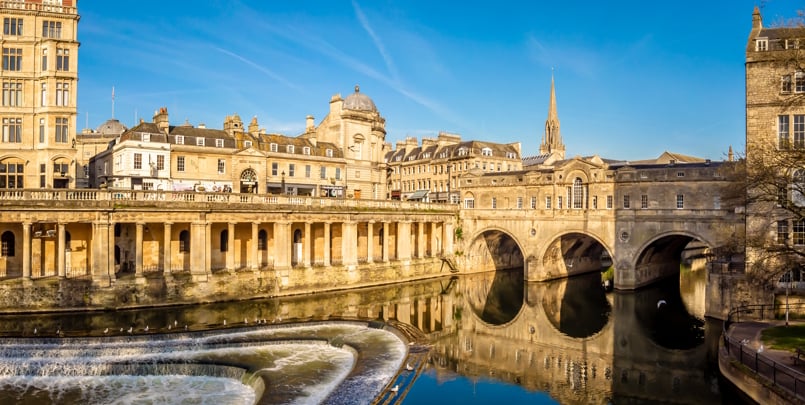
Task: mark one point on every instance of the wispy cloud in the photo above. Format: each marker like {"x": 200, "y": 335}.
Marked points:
{"x": 376, "y": 40}
{"x": 259, "y": 67}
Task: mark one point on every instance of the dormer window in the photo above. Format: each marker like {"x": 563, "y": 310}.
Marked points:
{"x": 398, "y": 158}
{"x": 328, "y": 152}
{"x": 179, "y": 140}
{"x": 462, "y": 152}
{"x": 146, "y": 137}
{"x": 199, "y": 141}
{"x": 486, "y": 152}
{"x": 219, "y": 143}
{"x": 306, "y": 150}
{"x": 273, "y": 147}
{"x": 511, "y": 155}
{"x": 289, "y": 149}
{"x": 762, "y": 44}
{"x": 247, "y": 144}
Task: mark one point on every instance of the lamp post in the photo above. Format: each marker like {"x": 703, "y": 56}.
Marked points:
{"x": 283, "y": 183}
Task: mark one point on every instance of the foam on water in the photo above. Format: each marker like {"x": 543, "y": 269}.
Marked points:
{"x": 203, "y": 367}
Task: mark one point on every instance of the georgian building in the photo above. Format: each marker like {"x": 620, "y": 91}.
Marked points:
{"x": 431, "y": 171}
{"x": 775, "y": 138}
{"x": 341, "y": 157}
{"x": 39, "y": 78}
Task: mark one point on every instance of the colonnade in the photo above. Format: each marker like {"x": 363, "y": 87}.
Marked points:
{"x": 112, "y": 247}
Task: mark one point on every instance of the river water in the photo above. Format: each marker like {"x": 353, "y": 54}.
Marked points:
{"x": 486, "y": 337}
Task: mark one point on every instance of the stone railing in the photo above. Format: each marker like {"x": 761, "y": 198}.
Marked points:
{"x": 31, "y": 6}
{"x": 11, "y": 197}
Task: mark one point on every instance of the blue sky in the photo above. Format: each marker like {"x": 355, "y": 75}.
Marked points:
{"x": 633, "y": 78}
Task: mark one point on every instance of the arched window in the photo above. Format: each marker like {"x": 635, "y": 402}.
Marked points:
{"x": 12, "y": 171}
{"x": 184, "y": 242}
{"x": 262, "y": 240}
{"x": 7, "y": 244}
{"x": 224, "y": 240}
{"x": 578, "y": 194}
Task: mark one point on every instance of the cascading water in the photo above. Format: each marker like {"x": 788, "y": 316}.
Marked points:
{"x": 298, "y": 364}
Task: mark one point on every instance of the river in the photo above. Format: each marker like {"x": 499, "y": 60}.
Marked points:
{"x": 486, "y": 337}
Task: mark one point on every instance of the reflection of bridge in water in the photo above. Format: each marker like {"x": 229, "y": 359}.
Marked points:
{"x": 570, "y": 339}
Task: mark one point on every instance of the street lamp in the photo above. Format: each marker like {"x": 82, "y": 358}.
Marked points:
{"x": 283, "y": 182}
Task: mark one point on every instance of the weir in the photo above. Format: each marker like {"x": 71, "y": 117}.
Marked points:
{"x": 266, "y": 364}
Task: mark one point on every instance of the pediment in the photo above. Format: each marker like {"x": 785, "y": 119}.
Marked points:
{"x": 250, "y": 152}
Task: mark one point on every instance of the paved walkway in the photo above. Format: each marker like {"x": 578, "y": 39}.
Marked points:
{"x": 749, "y": 332}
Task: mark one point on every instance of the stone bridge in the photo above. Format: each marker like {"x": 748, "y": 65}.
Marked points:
{"x": 643, "y": 245}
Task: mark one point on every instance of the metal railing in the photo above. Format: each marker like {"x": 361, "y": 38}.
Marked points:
{"x": 779, "y": 375}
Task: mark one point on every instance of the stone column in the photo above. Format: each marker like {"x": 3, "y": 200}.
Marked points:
{"x": 282, "y": 245}
{"x": 420, "y": 240}
{"x": 404, "y": 240}
{"x": 230, "y": 246}
{"x": 138, "y": 249}
{"x": 60, "y": 250}
{"x": 166, "y": 248}
{"x": 110, "y": 251}
{"x": 207, "y": 247}
{"x": 349, "y": 243}
{"x": 306, "y": 246}
{"x": 100, "y": 253}
{"x": 385, "y": 242}
{"x": 26, "y": 250}
{"x": 198, "y": 248}
{"x": 447, "y": 238}
{"x": 326, "y": 244}
{"x": 434, "y": 241}
{"x": 253, "y": 251}
{"x": 370, "y": 242}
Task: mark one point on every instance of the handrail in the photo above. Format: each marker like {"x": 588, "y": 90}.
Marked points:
{"x": 779, "y": 375}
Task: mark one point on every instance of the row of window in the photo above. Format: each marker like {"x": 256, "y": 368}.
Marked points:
{"x": 785, "y": 131}
{"x": 12, "y": 173}
{"x": 441, "y": 169}
{"x": 13, "y": 94}
{"x": 798, "y": 232}
{"x": 12, "y": 59}
{"x": 577, "y": 203}
{"x": 13, "y": 26}
{"x": 12, "y": 130}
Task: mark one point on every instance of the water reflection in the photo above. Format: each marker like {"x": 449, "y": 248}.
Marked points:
{"x": 492, "y": 332}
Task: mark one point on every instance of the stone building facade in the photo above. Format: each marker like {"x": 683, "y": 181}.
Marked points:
{"x": 40, "y": 77}
{"x": 431, "y": 171}
{"x": 775, "y": 138}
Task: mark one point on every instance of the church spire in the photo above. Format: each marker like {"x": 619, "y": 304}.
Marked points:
{"x": 552, "y": 141}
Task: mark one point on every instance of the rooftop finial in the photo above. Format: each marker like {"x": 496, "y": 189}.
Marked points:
{"x": 357, "y": 88}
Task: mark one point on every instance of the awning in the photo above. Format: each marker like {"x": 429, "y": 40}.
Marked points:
{"x": 418, "y": 195}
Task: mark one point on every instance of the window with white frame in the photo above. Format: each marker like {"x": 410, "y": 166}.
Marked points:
{"x": 609, "y": 202}
{"x": 328, "y": 152}
{"x": 799, "y": 232}
{"x": 799, "y": 131}
{"x": 179, "y": 140}
{"x": 306, "y": 150}
{"x": 219, "y": 143}
{"x": 179, "y": 163}
{"x": 761, "y": 44}
{"x": 782, "y": 131}
{"x": 644, "y": 201}
{"x": 533, "y": 202}
{"x": 247, "y": 144}
{"x": 289, "y": 148}
{"x": 12, "y": 93}
{"x": 680, "y": 201}
{"x": 494, "y": 203}
{"x": 62, "y": 93}
{"x": 486, "y": 152}
{"x": 469, "y": 203}
{"x": 782, "y": 232}
{"x": 547, "y": 202}
{"x": 138, "y": 161}
{"x": 786, "y": 85}
{"x": 273, "y": 147}
{"x": 221, "y": 166}
{"x": 799, "y": 82}
{"x": 626, "y": 201}
{"x": 199, "y": 141}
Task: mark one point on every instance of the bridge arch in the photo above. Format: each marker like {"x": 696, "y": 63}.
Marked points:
{"x": 569, "y": 252}
{"x": 660, "y": 256}
{"x": 494, "y": 248}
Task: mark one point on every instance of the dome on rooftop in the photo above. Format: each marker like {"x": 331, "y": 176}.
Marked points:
{"x": 359, "y": 101}
{"x": 111, "y": 127}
